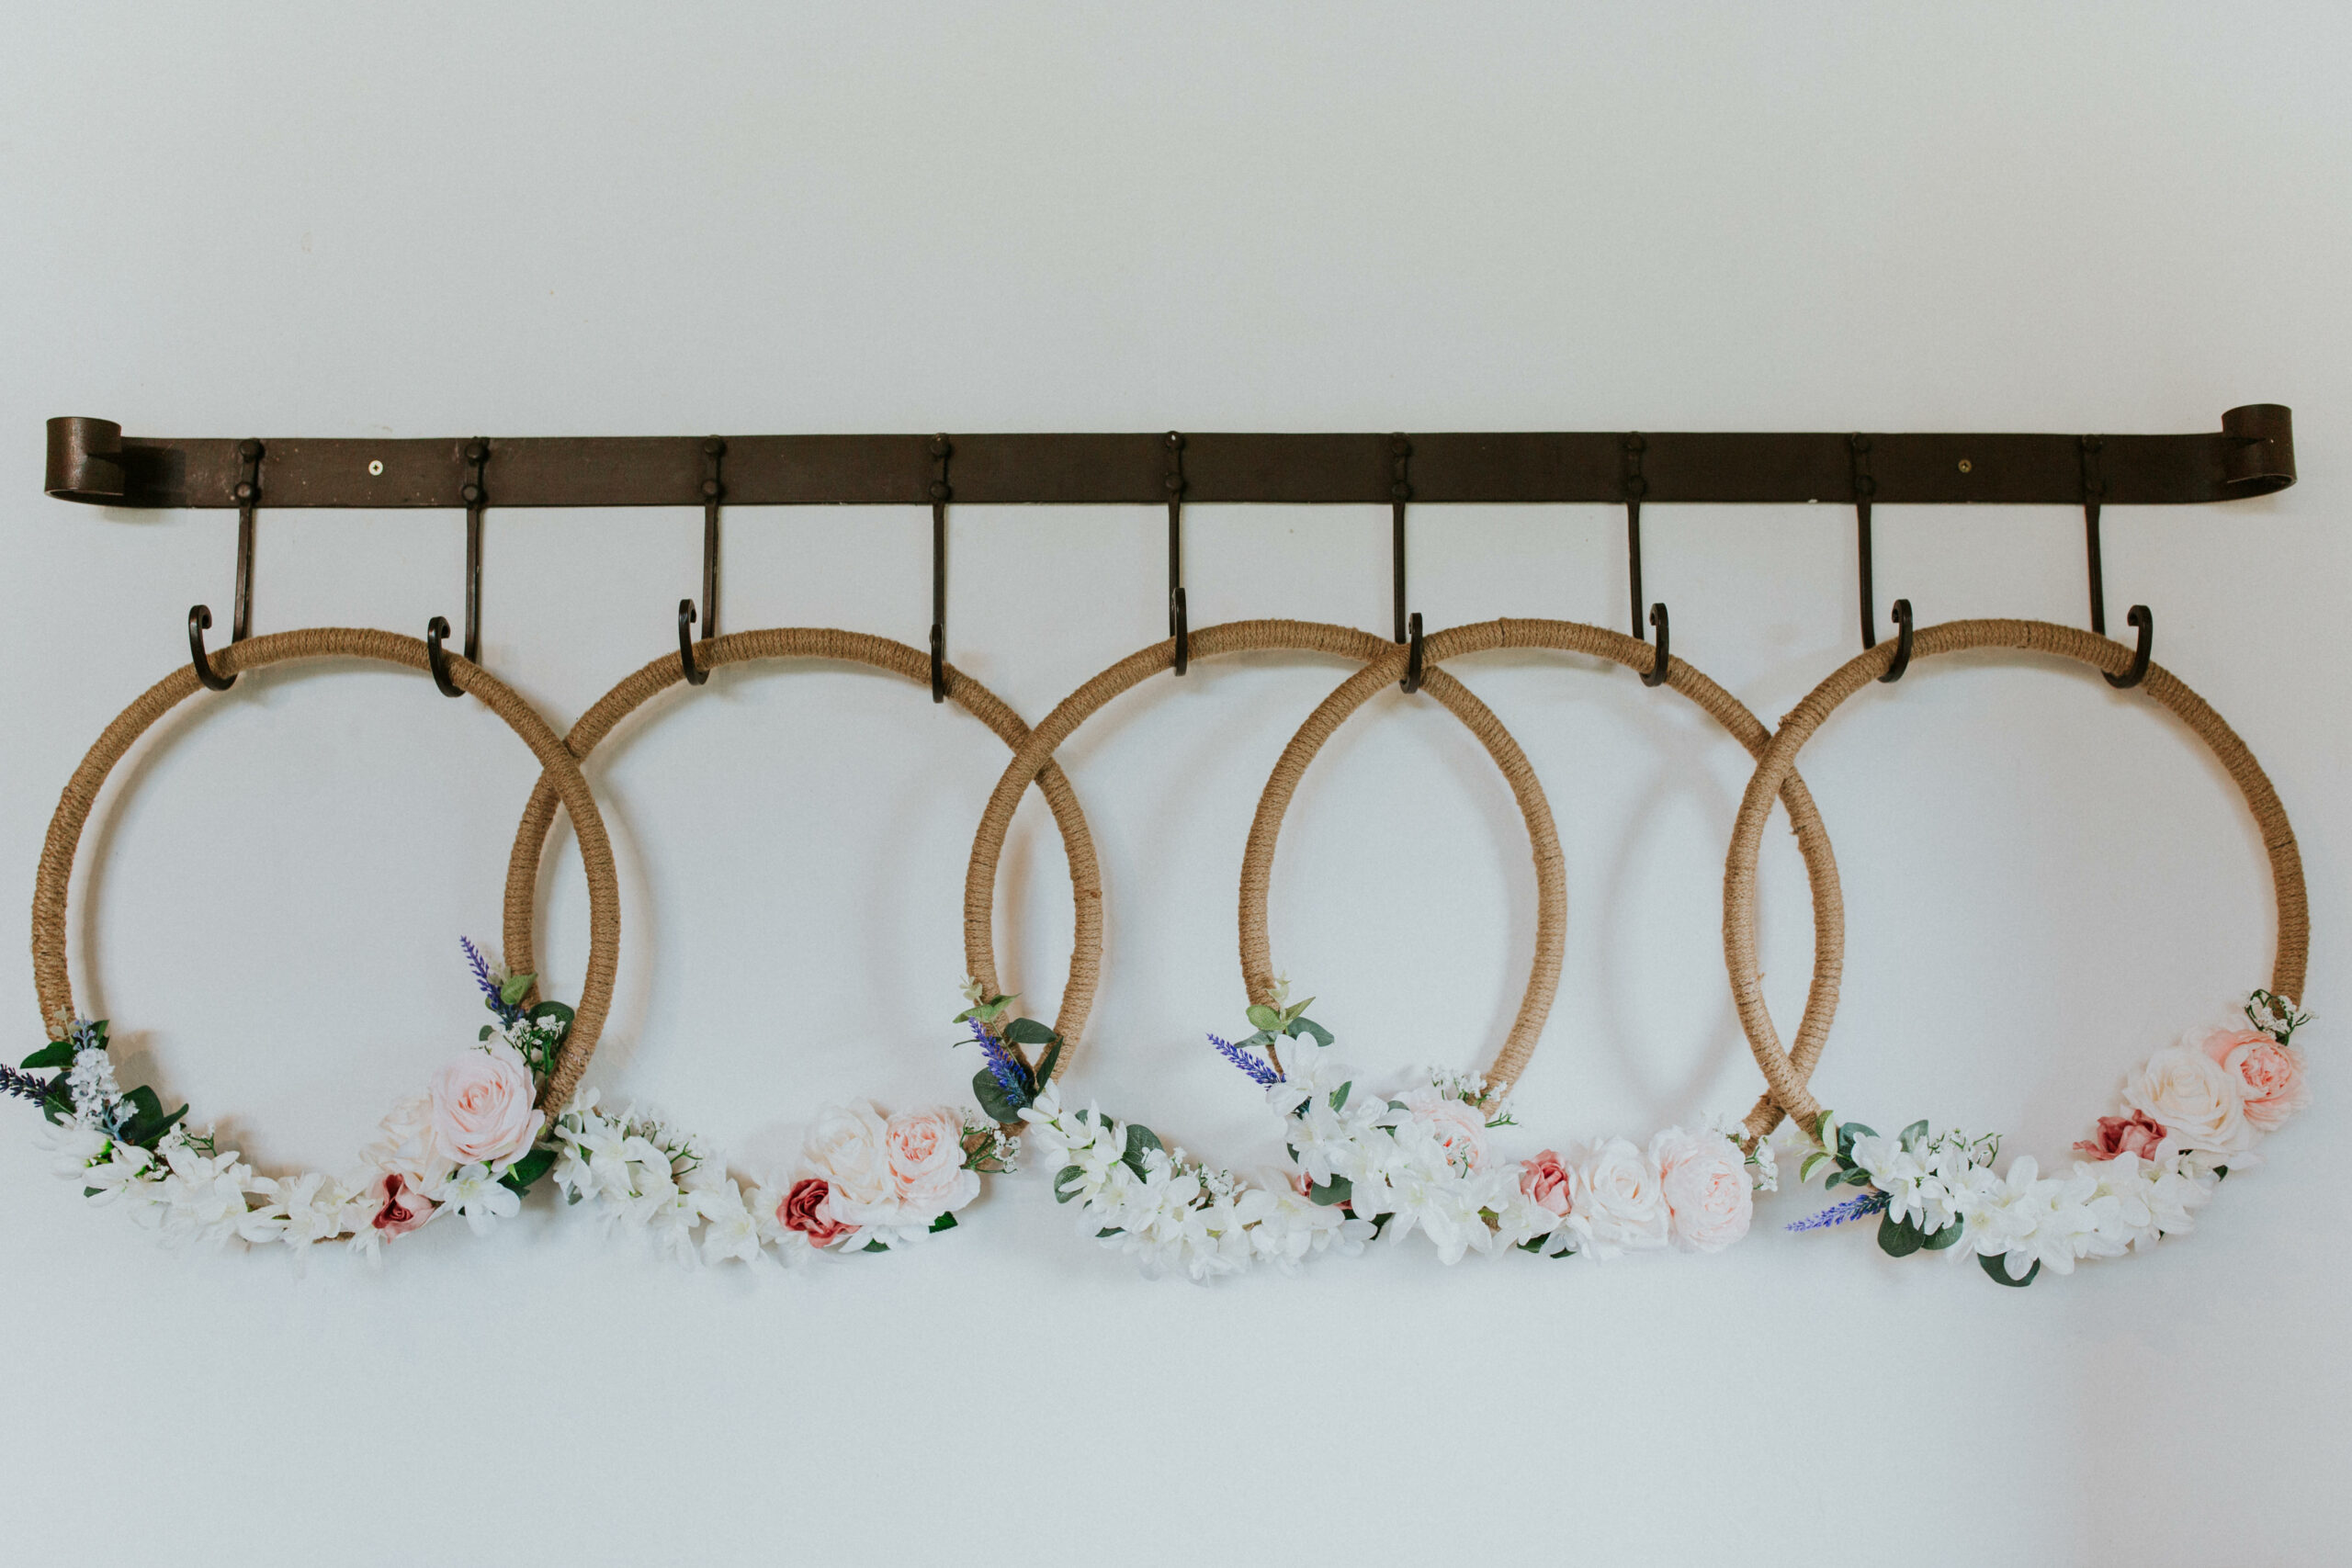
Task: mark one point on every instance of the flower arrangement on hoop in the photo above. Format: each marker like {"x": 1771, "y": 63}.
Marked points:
{"x": 2192, "y": 1112}
{"x": 469, "y": 1146}
{"x": 865, "y": 1182}
{"x": 1364, "y": 1164}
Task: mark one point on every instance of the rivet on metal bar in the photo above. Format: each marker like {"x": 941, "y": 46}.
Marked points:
{"x": 436, "y": 631}
{"x": 713, "y": 449}
{"x": 940, "y": 493}
{"x": 1401, "y": 491}
{"x": 1661, "y": 667}
{"x": 1865, "y": 487}
{"x": 2139, "y": 616}
{"x": 246, "y": 492}
{"x": 1180, "y": 625}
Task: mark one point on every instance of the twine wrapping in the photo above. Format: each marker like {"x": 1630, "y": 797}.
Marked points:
{"x": 848, "y": 648}
{"x": 1779, "y": 763}
{"x": 55, "y": 987}
{"x": 1567, "y": 636}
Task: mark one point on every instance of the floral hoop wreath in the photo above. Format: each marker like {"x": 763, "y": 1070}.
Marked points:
{"x": 2193, "y": 1110}
{"x": 866, "y": 1181}
{"x": 1420, "y": 1153}
{"x": 468, "y": 1147}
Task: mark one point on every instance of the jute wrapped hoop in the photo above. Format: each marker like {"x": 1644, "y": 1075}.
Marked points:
{"x": 560, "y": 776}
{"x": 1233, "y": 636}
{"x": 1778, "y": 761}
{"x": 1568, "y": 636}
{"x": 839, "y": 647}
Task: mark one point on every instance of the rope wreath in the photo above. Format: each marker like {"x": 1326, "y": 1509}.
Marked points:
{"x": 1418, "y": 1154}
{"x": 470, "y": 1146}
{"x": 2194, "y": 1110}
{"x": 866, "y": 1182}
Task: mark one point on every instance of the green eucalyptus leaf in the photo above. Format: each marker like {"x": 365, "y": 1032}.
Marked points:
{"x": 1996, "y": 1266}
{"x": 995, "y": 1102}
{"x": 529, "y": 1168}
{"x": 1029, "y": 1032}
{"x": 1140, "y": 1140}
{"x": 1339, "y": 1095}
{"x": 515, "y": 987}
{"x": 1063, "y": 1193}
{"x": 56, "y": 1054}
{"x": 1338, "y": 1191}
{"x": 1899, "y": 1238}
{"x": 1045, "y": 1068}
{"x": 874, "y": 1246}
{"x": 1913, "y": 1135}
{"x": 1295, "y": 1012}
{"x": 1308, "y": 1026}
{"x": 1848, "y": 1131}
{"x": 944, "y": 1222}
{"x": 1264, "y": 1016}
{"x": 1812, "y": 1162}
{"x": 1106, "y": 1230}
{"x": 1939, "y": 1240}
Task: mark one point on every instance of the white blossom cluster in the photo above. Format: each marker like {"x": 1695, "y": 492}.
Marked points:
{"x": 1172, "y": 1213}
{"x": 640, "y": 1174}
{"x": 1419, "y": 1157}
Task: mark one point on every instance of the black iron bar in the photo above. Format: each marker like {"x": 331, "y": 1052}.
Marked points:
{"x": 2253, "y": 453}
{"x": 2098, "y": 568}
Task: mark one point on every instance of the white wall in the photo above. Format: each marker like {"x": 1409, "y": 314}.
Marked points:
{"x": 580, "y": 221}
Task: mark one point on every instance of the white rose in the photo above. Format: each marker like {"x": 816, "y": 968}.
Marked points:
{"x": 926, "y": 1153}
{"x": 2196, "y": 1098}
{"x": 1703, "y": 1178}
{"x": 848, "y": 1146}
{"x": 1616, "y": 1199}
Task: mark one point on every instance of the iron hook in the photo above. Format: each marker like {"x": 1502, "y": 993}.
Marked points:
{"x": 437, "y": 659}
{"x": 940, "y": 493}
{"x": 200, "y": 620}
{"x": 1661, "y": 668}
{"x": 1901, "y": 615}
{"x": 1401, "y": 491}
{"x": 695, "y": 677}
{"x": 2141, "y": 617}
{"x": 1180, "y": 625}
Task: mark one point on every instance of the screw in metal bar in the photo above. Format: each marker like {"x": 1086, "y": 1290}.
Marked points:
{"x": 940, "y": 493}
{"x": 1180, "y": 625}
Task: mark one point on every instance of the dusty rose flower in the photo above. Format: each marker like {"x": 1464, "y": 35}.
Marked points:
{"x": 1459, "y": 1127}
{"x": 2133, "y": 1135}
{"x": 482, "y": 1107}
{"x": 2269, "y": 1075}
{"x": 400, "y": 1207}
{"x": 1545, "y": 1180}
{"x": 1708, "y": 1195}
{"x": 808, "y": 1209}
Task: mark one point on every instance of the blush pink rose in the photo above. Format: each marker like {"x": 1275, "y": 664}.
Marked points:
{"x": 400, "y": 1207}
{"x": 2270, "y": 1076}
{"x": 2134, "y": 1134}
{"x": 1545, "y": 1180}
{"x": 808, "y": 1209}
{"x": 1459, "y": 1127}
{"x": 926, "y": 1154}
{"x": 1708, "y": 1196}
{"x": 482, "y": 1107}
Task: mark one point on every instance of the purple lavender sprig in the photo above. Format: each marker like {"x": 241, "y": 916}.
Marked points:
{"x": 23, "y": 1085}
{"x": 1001, "y": 1066}
{"x": 1265, "y": 1075}
{"x": 1869, "y": 1203}
{"x": 481, "y": 966}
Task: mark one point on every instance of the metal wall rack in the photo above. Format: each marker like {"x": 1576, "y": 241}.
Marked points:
{"x": 91, "y": 460}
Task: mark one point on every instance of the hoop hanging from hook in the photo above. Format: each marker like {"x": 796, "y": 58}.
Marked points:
{"x": 1179, "y": 625}
{"x": 246, "y": 492}
{"x": 436, "y": 630}
{"x": 2139, "y": 616}
{"x": 1401, "y": 491}
{"x": 1662, "y": 667}
{"x": 713, "y": 449}
{"x": 940, "y": 493}
{"x": 1865, "y": 487}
